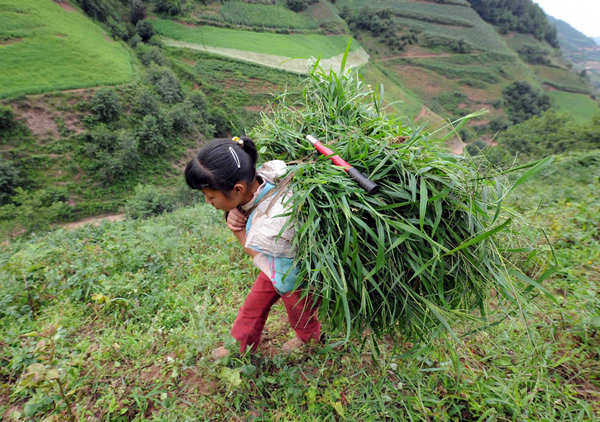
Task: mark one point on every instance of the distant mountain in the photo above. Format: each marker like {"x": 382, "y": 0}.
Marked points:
{"x": 597, "y": 39}
{"x": 570, "y": 39}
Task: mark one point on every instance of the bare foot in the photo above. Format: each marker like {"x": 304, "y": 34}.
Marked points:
{"x": 292, "y": 345}
{"x": 220, "y": 353}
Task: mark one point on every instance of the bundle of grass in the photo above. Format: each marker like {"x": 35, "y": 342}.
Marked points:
{"x": 407, "y": 258}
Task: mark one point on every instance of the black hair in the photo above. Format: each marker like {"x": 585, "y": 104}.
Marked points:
{"x": 221, "y": 164}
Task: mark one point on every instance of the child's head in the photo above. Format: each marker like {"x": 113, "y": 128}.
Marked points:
{"x": 223, "y": 170}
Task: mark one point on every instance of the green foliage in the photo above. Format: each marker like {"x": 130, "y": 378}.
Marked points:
{"x": 145, "y": 102}
{"x": 550, "y": 133}
{"x": 100, "y": 10}
{"x": 299, "y": 5}
{"x": 9, "y": 180}
{"x": 148, "y": 201}
{"x": 144, "y": 29}
{"x": 166, "y": 84}
{"x": 149, "y": 54}
{"x": 7, "y": 118}
{"x": 105, "y": 104}
{"x": 35, "y": 210}
{"x": 517, "y": 15}
{"x": 522, "y": 101}
{"x": 115, "y": 154}
{"x": 170, "y": 7}
{"x": 137, "y": 11}
{"x": 183, "y": 117}
{"x": 383, "y": 260}
{"x": 150, "y": 136}
{"x": 534, "y": 55}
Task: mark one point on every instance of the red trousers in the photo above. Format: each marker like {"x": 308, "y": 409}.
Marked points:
{"x": 248, "y": 325}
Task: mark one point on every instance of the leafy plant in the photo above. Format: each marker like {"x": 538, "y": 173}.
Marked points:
{"x": 105, "y": 104}
{"x": 147, "y": 201}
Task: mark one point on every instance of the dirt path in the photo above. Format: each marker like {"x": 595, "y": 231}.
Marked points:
{"x": 93, "y": 220}
{"x": 289, "y": 64}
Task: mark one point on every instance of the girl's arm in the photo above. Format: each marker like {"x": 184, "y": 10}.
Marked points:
{"x": 241, "y": 236}
{"x": 236, "y": 221}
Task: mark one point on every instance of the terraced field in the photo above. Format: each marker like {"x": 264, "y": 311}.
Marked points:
{"x": 46, "y": 47}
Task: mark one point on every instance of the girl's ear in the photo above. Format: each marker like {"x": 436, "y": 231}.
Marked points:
{"x": 239, "y": 188}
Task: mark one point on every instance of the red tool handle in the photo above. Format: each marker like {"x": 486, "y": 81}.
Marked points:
{"x": 363, "y": 181}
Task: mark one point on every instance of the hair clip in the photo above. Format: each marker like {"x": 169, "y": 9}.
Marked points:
{"x": 238, "y": 140}
{"x": 235, "y": 157}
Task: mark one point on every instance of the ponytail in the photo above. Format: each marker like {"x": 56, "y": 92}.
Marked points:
{"x": 222, "y": 163}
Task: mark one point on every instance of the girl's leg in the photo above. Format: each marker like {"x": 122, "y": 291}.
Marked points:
{"x": 253, "y": 314}
{"x": 302, "y": 315}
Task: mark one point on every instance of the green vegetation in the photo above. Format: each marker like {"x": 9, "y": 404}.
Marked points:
{"x": 47, "y": 48}
{"x": 407, "y": 258}
{"x": 579, "y": 106}
{"x": 257, "y": 15}
{"x": 142, "y": 303}
{"x": 517, "y": 15}
{"x": 522, "y": 101}
{"x": 293, "y": 45}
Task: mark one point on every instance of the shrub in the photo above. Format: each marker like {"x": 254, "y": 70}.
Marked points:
{"x": 145, "y": 102}
{"x": 117, "y": 29}
{"x": 183, "y": 117}
{"x": 147, "y": 201}
{"x": 137, "y": 11}
{"x": 106, "y": 106}
{"x": 122, "y": 161}
{"x": 150, "y": 54}
{"x": 523, "y": 102}
{"x": 7, "y": 118}
{"x": 200, "y": 103}
{"x": 36, "y": 210}
{"x": 299, "y": 5}
{"x": 9, "y": 180}
{"x": 170, "y": 7}
{"x": 135, "y": 40}
{"x": 98, "y": 9}
{"x": 150, "y": 137}
{"x": 221, "y": 121}
{"x": 166, "y": 84}
{"x": 102, "y": 138}
{"x": 144, "y": 29}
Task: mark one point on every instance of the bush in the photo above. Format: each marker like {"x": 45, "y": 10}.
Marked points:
{"x": 170, "y": 7}
{"x": 117, "y": 30}
{"x": 147, "y": 201}
{"x": 7, "y": 118}
{"x": 200, "y": 103}
{"x": 100, "y": 10}
{"x": 166, "y": 84}
{"x": 150, "y": 137}
{"x": 182, "y": 117}
{"x": 145, "y": 102}
{"x": 122, "y": 161}
{"x": 523, "y": 102}
{"x": 106, "y": 106}
{"x": 150, "y": 54}
{"x": 9, "y": 180}
{"x": 299, "y": 5}
{"x": 137, "y": 11}
{"x": 135, "y": 40}
{"x": 36, "y": 210}
{"x": 221, "y": 120}
{"x": 101, "y": 138}
{"x": 144, "y": 29}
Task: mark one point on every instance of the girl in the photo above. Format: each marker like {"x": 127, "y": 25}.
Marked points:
{"x": 225, "y": 172}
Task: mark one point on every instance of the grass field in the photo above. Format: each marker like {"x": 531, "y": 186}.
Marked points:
{"x": 293, "y": 45}
{"x": 265, "y": 15}
{"x": 45, "y": 47}
{"x": 123, "y": 317}
{"x": 580, "y": 106}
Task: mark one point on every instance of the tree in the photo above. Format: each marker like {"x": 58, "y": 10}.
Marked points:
{"x": 523, "y": 102}
{"x": 106, "y": 106}
{"x": 137, "y": 11}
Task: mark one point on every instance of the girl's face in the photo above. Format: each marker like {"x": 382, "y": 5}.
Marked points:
{"x": 220, "y": 201}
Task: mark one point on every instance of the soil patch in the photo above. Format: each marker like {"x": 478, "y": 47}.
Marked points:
{"x": 10, "y": 41}
{"x": 94, "y": 220}
{"x": 39, "y": 121}
{"x": 66, "y": 6}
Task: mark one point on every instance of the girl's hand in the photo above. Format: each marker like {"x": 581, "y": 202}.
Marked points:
{"x": 236, "y": 220}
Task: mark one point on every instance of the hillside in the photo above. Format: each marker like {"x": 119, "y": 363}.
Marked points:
{"x": 46, "y": 46}
{"x": 580, "y": 49}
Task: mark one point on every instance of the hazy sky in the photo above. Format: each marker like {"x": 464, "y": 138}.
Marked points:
{"x": 583, "y": 15}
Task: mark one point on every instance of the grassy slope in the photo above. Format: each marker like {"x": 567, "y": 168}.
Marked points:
{"x": 582, "y": 107}
{"x": 294, "y": 45}
{"x": 54, "y": 49}
{"x": 130, "y": 312}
